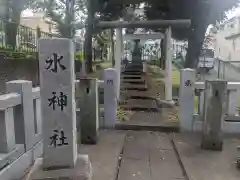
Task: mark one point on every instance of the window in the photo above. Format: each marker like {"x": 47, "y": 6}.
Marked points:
{"x": 232, "y": 25}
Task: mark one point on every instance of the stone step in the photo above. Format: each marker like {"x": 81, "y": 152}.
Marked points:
{"x": 154, "y": 121}
{"x": 133, "y": 70}
{"x": 161, "y": 127}
{"x": 139, "y": 107}
{"x": 139, "y": 87}
{"x": 134, "y": 81}
{"x": 135, "y": 88}
{"x": 132, "y": 73}
{"x": 133, "y": 85}
{"x": 143, "y": 102}
{"x": 129, "y": 76}
{"x": 146, "y": 105}
{"x": 136, "y": 63}
{"x": 138, "y": 95}
{"x": 134, "y": 66}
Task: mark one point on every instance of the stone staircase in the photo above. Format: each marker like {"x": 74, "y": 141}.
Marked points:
{"x": 135, "y": 85}
{"x": 136, "y": 96}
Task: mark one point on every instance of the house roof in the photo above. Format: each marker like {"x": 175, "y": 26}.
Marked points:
{"x": 232, "y": 36}
{"x": 229, "y": 20}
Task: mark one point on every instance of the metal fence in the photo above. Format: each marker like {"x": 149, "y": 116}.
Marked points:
{"x": 152, "y": 53}
{"x": 26, "y": 37}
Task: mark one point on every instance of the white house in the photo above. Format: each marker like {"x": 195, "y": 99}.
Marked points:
{"x": 226, "y": 40}
{"x": 38, "y": 20}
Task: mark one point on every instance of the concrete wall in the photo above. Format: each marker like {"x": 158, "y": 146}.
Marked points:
{"x": 21, "y": 69}
{"x": 18, "y": 69}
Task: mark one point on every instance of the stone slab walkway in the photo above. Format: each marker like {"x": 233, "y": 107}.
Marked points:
{"x": 104, "y": 156}
{"x": 149, "y": 156}
{"x": 202, "y": 164}
{"x": 145, "y": 155}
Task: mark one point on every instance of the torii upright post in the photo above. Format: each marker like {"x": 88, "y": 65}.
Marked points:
{"x": 118, "y": 58}
{"x": 168, "y": 69}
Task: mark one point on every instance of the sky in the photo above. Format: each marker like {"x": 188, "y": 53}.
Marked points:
{"x": 233, "y": 13}
{"x": 27, "y": 13}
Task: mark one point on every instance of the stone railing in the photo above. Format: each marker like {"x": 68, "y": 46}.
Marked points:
{"x": 192, "y": 104}
{"x": 228, "y": 70}
{"x": 21, "y": 122}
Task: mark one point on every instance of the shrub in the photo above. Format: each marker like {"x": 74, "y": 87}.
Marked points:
{"x": 79, "y": 56}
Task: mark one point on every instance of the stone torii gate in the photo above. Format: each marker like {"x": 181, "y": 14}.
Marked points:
{"x": 167, "y": 24}
{"x": 143, "y": 36}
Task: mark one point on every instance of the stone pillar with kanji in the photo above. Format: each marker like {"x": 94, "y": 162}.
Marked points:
{"x": 56, "y": 64}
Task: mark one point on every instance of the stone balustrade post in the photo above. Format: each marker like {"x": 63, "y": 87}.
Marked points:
{"x": 24, "y": 114}
{"x": 186, "y": 99}
{"x": 89, "y": 110}
{"x": 110, "y": 98}
{"x": 9, "y": 150}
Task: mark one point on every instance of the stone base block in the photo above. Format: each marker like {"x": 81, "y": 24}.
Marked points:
{"x": 17, "y": 169}
{"x": 210, "y": 143}
{"x": 81, "y": 171}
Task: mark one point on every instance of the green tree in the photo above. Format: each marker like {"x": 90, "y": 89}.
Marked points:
{"x": 201, "y": 12}
{"x": 61, "y": 12}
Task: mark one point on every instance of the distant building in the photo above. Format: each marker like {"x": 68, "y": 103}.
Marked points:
{"x": 226, "y": 39}
{"x": 38, "y": 20}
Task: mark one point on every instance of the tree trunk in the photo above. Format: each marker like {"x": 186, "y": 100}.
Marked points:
{"x": 195, "y": 42}
{"x": 89, "y": 35}
{"x": 112, "y": 48}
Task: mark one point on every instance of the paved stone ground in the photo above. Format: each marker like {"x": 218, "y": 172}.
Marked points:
{"x": 202, "y": 164}
{"x": 149, "y": 156}
{"x": 105, "y": 155}
{"x": 145, "y": 155}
